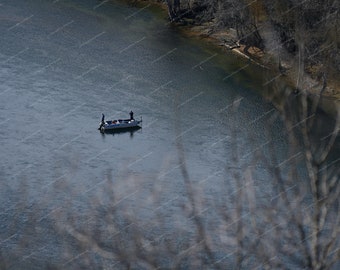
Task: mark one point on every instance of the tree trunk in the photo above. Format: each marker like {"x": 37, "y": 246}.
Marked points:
{"x": 173, "y": 9}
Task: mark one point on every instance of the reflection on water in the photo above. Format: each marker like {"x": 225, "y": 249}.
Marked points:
{"x": 129, "y": 131}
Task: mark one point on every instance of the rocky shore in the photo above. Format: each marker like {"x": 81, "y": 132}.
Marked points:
{"x": 327, "y": 93}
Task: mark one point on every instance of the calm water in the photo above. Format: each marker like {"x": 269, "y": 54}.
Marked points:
{"x": 62, "y": 64}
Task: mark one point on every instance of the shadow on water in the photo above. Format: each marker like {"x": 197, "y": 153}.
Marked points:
{"x": 122, "y": 131}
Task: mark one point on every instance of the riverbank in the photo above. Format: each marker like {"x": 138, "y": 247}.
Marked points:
{"x": 286, "y": 69}
{"x": 328, "y": 95}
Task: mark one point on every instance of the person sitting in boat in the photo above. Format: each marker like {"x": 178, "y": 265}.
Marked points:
{"x": 131, "y": 115}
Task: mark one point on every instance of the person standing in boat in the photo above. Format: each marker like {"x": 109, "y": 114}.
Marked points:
{"x": 131, "y": 115}
{"x": 103, "y": 122}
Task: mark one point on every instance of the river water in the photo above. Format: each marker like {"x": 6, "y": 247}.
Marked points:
{"x": 72, "y": 197}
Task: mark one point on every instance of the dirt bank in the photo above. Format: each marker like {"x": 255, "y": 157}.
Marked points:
{"x": 287, "y": 70}
{"x": 328, "y": 93}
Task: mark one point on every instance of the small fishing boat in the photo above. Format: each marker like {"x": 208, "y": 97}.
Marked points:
{"x": 120, "y": 124}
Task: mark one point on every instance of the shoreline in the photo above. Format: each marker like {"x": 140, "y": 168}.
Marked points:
{"x": 329, "y": 100}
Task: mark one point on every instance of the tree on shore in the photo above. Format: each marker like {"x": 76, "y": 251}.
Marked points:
{"x": 174, "y": 7}
{"x": 314, "y": 23}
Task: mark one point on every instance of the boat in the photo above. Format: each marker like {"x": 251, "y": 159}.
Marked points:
{"x": 120, "y": 124}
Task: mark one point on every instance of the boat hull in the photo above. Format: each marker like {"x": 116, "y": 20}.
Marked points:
{"x": 119, "y": 125}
